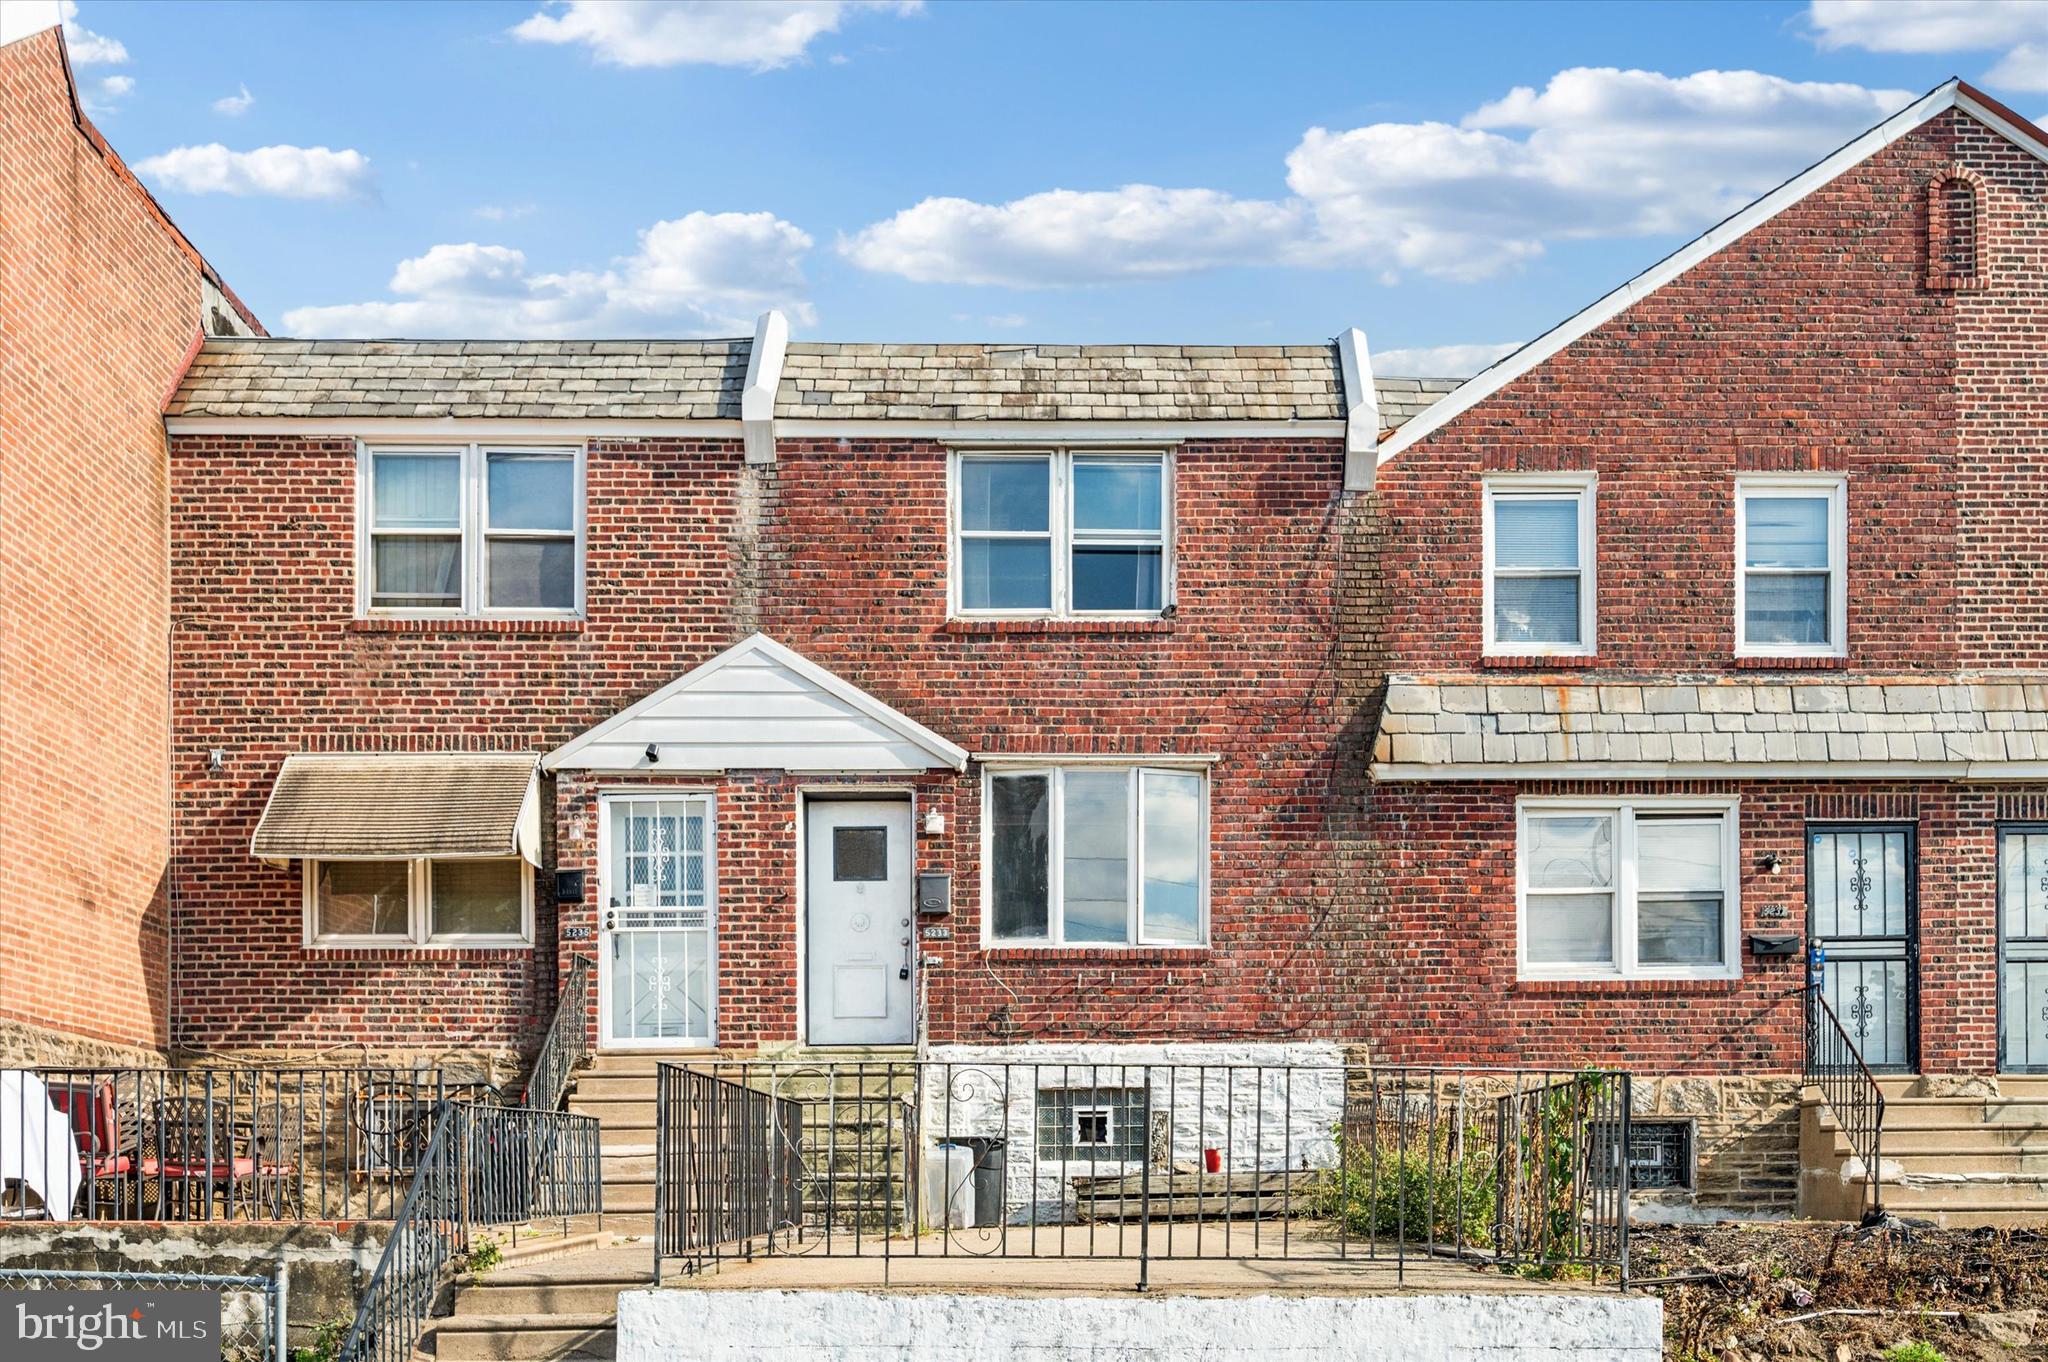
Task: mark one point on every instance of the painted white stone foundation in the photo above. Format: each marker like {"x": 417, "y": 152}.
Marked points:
{"x": 867, "y": 1326}
{"x": 1281, "y": 1114}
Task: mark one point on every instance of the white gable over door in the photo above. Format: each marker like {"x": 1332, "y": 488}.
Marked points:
{"x": 758, "y": 706}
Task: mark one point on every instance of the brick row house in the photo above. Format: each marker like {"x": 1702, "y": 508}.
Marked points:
{"x": 1713, "y": 638}
{"x": 102, "y": 300}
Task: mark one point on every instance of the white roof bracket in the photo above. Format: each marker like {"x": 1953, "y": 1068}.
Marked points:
{"x": 1361, "y": 411}
{"x": 764, "y": 376}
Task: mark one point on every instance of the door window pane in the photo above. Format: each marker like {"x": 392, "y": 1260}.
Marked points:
{"x": 1123, "y": 495}
{"x": 363, "y": 898}
{"x": 1006, "y": 574}
{"x": 1005, "y": 494}
{"x": 1117, "y": 578}
{"x": 417, "y": 491}
{"x": 478, "y": 898}
{"x": 1096, "y": 863}
{"x": 529, "y": 492}
{"x": 860, "y": 854}
{"x": 1019, "y": 819}
{"x": 1172, "y": 810}
{"x": 537, "y": 574}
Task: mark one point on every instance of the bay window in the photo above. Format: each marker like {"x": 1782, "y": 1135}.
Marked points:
{"x": 1061, "y": 532}
{"x": 441, "y": 901}
{"x": 471, "y": 530}
{"x": 1096, "y": 856}
{"x": 1645, "y": 888}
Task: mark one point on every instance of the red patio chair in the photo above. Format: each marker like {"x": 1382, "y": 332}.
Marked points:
{"x": 107, "y": 1146}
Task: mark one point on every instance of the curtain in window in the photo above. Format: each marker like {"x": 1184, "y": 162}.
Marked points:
{"x": 1536, "y": 570}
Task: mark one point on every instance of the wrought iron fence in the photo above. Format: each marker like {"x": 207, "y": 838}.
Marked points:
{"x": 1143, "y": 1161}
{"x": 566, "y": 1043}
{"x": 213, "y": 1144}
{"x": 253, "y": 1323}
{"x": 1835, "y": 1066}
{"x": 481, "y": 1166}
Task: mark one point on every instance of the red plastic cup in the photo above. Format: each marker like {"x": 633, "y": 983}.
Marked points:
{"x": 1212, "y": 1159}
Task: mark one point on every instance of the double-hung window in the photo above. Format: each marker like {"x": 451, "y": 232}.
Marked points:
{"x": 443, "y": 901}
{"x": 1096, "y": 855}
{"x": 1538, "y": 546}
{"x": 471, "y": 530}
{"x": 1634, "y": 889}
{"x": 1061, "y": 532}
{"x": 1791, "y": 578}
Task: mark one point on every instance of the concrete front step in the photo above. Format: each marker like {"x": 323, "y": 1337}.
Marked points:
{"x": 564, "y": 1296}
{"x": 525, "y": 1338}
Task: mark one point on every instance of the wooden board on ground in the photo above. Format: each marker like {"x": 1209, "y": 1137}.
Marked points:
{"x": 1199, "y": 1196}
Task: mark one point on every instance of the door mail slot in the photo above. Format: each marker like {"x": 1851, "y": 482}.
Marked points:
{"x": 935, "y": 894}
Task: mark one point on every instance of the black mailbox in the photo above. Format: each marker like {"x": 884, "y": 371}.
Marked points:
{"x": 935, "y": 894}
{"x": 568, "y": 886}
{"x": 1761, "y": 943}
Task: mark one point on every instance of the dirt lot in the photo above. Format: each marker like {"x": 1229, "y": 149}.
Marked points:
{"x": 1824, "y": 1292}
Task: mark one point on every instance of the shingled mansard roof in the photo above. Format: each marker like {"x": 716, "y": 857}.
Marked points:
{"x": 703, "y": 380}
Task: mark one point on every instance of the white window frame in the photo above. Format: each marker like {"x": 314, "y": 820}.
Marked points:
{"x": 1106, "y": 1112}
{"x": 1056, "y": 911}
{"x": 1624, "y": 812}
{"x": 476, "y": 529}
{"x": 420, "y": 934}
{"x": 1835, "y": 487}
{"x": 1060, "y": 509}
{"x": 1581, "y": 486}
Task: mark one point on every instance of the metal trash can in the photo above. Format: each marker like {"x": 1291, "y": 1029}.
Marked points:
{"x": 991, "y": 1153}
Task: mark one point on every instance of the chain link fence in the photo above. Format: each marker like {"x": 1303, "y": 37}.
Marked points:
{"x": 252, "y": 1309}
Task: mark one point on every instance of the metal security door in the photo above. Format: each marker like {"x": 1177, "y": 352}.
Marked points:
{"x": 1861, "y": 909}
{"x": 2023, "y": 948}
{"x": 655, "y": 975}
{"x": 857, "y": 915}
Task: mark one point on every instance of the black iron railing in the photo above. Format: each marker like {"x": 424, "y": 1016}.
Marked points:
{"x": 1835, "y": 1066}
{"x": 216, "y": 1143}
{"x": 566, "y": 1044}
{"x": 1145, "y": 1162}
{"x": 481, "y": 1166}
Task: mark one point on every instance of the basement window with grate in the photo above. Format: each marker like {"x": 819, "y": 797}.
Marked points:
{"x": 1087, "y": 1124}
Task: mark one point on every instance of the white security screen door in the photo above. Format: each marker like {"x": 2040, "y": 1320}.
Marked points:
{"x": 857, "y": 968}
{"x": 1860, "y": 893}
{"x": 655, "y": 975}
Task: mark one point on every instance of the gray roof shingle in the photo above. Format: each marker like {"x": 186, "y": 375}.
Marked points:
{"x": 701, "y": 380}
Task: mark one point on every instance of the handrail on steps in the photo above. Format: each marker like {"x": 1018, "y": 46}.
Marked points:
{"x": 1849, "y": 1090}
{"x": 566, "y": 1043}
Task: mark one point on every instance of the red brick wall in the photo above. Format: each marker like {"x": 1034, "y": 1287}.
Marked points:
{"x": 1811, "y": 343}
{"x": 99, "y": 304}
{"x": 837, "y": 553}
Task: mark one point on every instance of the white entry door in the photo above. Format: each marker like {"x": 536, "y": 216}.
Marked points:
{"x": 857, "y": 970}
{"x": 655, "y": 970}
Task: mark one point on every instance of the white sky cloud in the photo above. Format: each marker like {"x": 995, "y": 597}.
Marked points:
{"x": 2016, "y": 28}
{"x": 86, "y": 47}
{"x": 235, "y": 105}
{"x": 504, "y": 212}
{"x": 703, "y": 274}
{"x": 1439, "y": 361}
{"x": 283, "y": 172}
{"x": 1595, "y": 153}
{"x": 762, "y": 34}
{"x": 105, "y": 95}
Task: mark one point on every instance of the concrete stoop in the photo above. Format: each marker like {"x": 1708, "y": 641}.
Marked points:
{"x": 535, "y": 1311}
{"x": 1961, "y": 1160}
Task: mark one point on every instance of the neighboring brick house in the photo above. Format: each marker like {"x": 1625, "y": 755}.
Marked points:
{"x": 101, "y": 301}
{"x": 1712, "y": 626}
{"x": 777, "y": 628}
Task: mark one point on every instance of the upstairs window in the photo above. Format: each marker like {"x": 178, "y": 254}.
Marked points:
{"x": 1791, "y": 582}
{"x": 1061, "y": 533}
{"x": 469, "y": 530}
{"x": 1539, "y": 596}
{"x": 1955, "y": 230}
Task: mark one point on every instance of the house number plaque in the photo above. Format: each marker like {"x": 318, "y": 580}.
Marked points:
{"x": 938, "y": 933}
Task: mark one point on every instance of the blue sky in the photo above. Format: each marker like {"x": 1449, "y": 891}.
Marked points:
{"x": 1440, "y": 175}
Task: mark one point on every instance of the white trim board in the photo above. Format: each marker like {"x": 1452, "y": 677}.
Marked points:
{"x": 1393, "y": 771}
{"x": 455, "y": 429}
{"x": 734, "y": 747}
{"x": 1062, "y": 432}
{"x": 1952, "y": 94}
